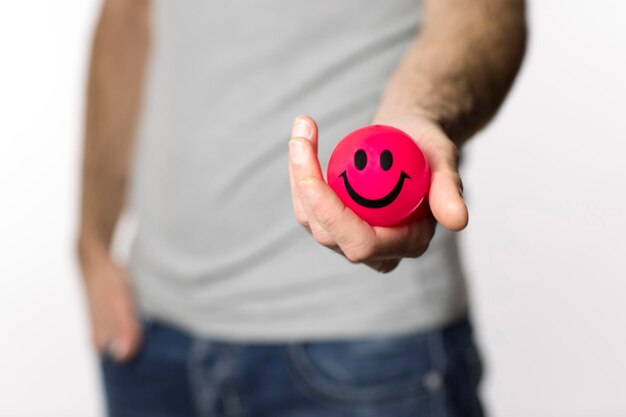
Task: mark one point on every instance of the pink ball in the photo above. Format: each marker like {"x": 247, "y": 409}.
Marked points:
{"x": 381, "y": 174}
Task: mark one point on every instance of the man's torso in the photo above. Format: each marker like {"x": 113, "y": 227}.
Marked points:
{"x": 217, "y": 250}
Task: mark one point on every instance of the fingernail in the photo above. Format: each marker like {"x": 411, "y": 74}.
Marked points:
{"x": 461, "y": 187}
{"x": 301, "y": 129}
{"x": 297, "y": 153}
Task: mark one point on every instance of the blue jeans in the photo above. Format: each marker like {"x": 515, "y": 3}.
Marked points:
{"x": 434, "y": 373}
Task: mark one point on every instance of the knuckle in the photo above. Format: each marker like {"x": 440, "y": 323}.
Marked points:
{"x": 329, "y": 216}
{"x": 452, "y": 150}
{"x": 301, "y": 219}
{"x": 324, "y": 240}
{"x": 326, "y": 218}
{"x": 353, "y": 256}
{"x": 359, "y": 253}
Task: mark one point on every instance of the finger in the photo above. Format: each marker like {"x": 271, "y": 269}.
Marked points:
{"x": 354, "y": 236}
{"x": 302, "y": 160}
{"x": 357, "y": 240}
{"x": 324, "y": 238}
{"x": 303, "y": 150}
{"x": 298, "y": 211}
{"x": 408, "y": 241}
{"x": 303, "y": 163}
{"x": 305, "y": 127}
{"x": 100, "y": 331}
{"x": 384, "y": 267}
{"x": 125, "y": 345}
{"x": 321, "y": 236}
{"x": 100, "y": 341}
{"x": 127, "y": 342}
{"x": 127, "y": 338}
{"x": 445, "y": 196}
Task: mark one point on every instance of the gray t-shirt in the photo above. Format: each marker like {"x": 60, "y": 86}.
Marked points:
{"x": 217, "y": 250}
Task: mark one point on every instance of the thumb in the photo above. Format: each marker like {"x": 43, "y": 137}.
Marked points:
{"x": 305, "y": 127}
{"x": 446, "y": 194}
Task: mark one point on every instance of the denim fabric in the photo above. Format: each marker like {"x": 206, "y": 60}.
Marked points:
{"x": 434, "y": 373}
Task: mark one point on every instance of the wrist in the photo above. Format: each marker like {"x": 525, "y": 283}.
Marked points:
{"x": 91, "y": 252}
{"x": 448, "y": 105}
{"x": 416, "y": 122}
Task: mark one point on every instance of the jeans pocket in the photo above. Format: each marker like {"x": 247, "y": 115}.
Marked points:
{"x": 368, "y": 370}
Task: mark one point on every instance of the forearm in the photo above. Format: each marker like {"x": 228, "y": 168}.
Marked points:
{"x": 118, "y": 58}
{"x": 461, "y": 66}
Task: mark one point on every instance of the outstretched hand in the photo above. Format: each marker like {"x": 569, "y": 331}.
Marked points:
{"x": 320, "y": 211}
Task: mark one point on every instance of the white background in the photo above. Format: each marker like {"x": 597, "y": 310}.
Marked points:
{"x": 545, "y": 248}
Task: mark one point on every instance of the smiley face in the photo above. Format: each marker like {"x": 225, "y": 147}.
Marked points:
{"x": 380, "y": 173}
{"x": 386, "y": 161}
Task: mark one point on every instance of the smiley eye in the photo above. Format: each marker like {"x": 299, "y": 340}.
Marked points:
{"x": 386, "y": 160}
{"x": 360, "y": 159}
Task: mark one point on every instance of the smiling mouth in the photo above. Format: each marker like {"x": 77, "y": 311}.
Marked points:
{"x": 379, "y": 202}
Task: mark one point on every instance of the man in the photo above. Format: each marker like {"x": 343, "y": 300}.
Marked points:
{"x": 226, "y": 306}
